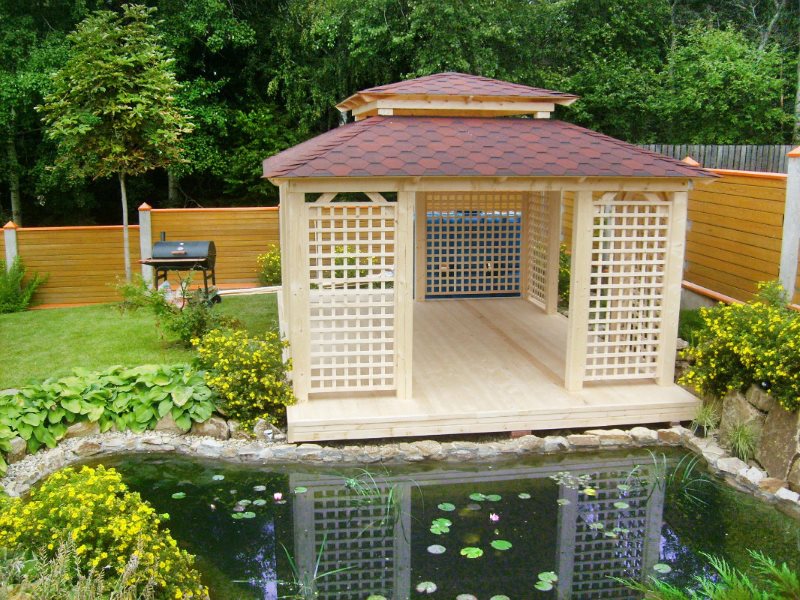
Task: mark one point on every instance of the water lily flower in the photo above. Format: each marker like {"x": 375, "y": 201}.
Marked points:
{"x": 278, "y": 496}
{"x": 494, "y": 517}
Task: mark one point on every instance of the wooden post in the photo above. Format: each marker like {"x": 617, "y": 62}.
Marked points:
{"x": 580, "y": 272}
{"x": 296, "y": 285}
{"x": 525, "y": 245}
{"x": 790, "y": 246}
{"x": 146, "y": 241}
{"x": 404, "y": 293}
{"x": 283, "y": 242}
{"x": 421, "y": 247}
{"x": 10, "y": 239}
{"x": 553, "y": 251}
{"x": 673, "y": 274}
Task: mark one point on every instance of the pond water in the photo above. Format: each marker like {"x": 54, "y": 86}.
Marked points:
{"x": 480, "y": 531}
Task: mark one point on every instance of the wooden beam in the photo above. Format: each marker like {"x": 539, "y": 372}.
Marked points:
{"x": 483, "y": 184}
{"x": 553, "y": 251}
{"x": 582, "y": 237}
{"x": 283, "y": 241}
{"x": 453, "y": 105}
{"x": 296, "y": 284}
{"x": 421, "y": 247}
{"x": 404, "y": 293}
{"x": 673, "y": 275}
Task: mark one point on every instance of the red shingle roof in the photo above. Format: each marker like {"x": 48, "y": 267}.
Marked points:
{"x": 460, "y": 84}
{"x": 469, "y": 146}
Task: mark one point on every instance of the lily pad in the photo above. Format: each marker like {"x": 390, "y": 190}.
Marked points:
{"x": 494, "y": 498}
{"x": 426, "y": 587}
{"x": 589, "y": 491}
{"x": 543, "y": 586}
{"x": 477, "y": 497}
{"x": 436, "y": 549}
{"x": 248, "y": 515}
{"x": 547, "y": 576}
{"x": 244, "y": 502}
{"x": 259, "y": 502}
{"x": 521, "y": 496}
{"x": 662, "y": 568}
{"x": 466, "y": 597}
{"x": 499, "y": 597}
{"x": 596, "y": 525}
{"x": 471, "y": 552}
{"x": 474, "y": 506}
{"x": 218, "y": 477}
{"x": 238, "y": 516}
{"x": 300, "y": 489}
{"x": 259, "y": 488}
{"x": 376, "y": 597}
{"x": 563, "y": 502}
{"x": 621, "y": 505}
{"x": 501, "y": 544}
{"x": 179, "y": 495}
{"x": 447, "y": 507}
{"x": 440, "y": 526}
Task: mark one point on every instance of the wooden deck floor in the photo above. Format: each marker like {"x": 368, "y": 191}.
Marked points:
{"x": 487, "y": 365}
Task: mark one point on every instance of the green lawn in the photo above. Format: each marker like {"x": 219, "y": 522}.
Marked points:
{"x": 44, "y": 343}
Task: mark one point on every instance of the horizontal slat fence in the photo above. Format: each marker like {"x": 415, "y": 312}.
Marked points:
{"x": 83, "y": 264}
{"x": 240, "y": 235}
{"x": 741, "y": 157}
{"x": 734, "y": 233}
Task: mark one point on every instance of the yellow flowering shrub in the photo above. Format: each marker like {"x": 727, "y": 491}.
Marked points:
{"x": 269, "y": 266}
{"x": 740, "y": 344}
{"x": 248, "y": 374}
{"x": 109, "y": 526}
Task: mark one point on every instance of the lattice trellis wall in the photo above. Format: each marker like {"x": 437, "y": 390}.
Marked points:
{"x": 627, "y": 286}
{"x": 597, "y": 557}
{"x": 346, "y": 531}
{"x": 473, "y": 244}
{"x": 351, "y": 257}
{"x": 538, "y": 232}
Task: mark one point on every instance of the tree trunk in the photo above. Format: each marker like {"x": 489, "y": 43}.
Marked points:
{"x": 125, "y": 238}
{"x": 13, "y": 174}
{"x": 172, "y": 188}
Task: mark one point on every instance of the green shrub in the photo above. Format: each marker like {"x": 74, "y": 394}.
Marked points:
{"x": 113, "y": 530}
{"x": 192, "y": 317}
{"x": 707, "y": 417}
{"x": 740, "y": 344}
{"x": 15, "y": 292}
{"x": 128, "y": 398}
{"x": 564, "y": 265}
{"x": 269, "y": 266}
{"x": 689, "y": 323}
{"x": 249, "y": 374}
{"x": 742, "y": 440}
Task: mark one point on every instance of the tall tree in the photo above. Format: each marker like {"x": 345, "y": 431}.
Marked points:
{"x": 112, "y": 108}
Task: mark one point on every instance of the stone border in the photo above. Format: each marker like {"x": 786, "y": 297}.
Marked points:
{"x": 25, "y": 473}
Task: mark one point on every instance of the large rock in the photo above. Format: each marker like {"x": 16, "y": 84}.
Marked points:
{"x": 780, "y": 442}
{"x": 794, "y": 476}
{"x": 19, "y": 448}
{"x": 215, "y": 427}
{"x": 82, "y": 429}
{"x": 760, "y": 398}
{"x": 736, "y": 410}
{"x": 168, "y": 425}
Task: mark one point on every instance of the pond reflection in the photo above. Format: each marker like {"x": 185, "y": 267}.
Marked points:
{"x": 551, "y": 527}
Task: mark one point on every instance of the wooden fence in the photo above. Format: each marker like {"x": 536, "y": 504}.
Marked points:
{"x": 84, "y": 264}
{"x": 770, "y": 159}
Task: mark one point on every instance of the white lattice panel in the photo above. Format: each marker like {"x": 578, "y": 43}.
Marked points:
{"x": 538, "y": 233}
{"x": 598, "y": 558}
{"x": 473, "y": 244}
{"x": 352, "y": 299}
{"x": 629, "y": 254}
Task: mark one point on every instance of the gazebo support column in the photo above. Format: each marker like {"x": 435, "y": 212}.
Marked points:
{"x": 421, "y": 227}
{"x": 404, "y": 292}
{"x": 553, "y": 251}
{"x": 580, "y": 272}
{"x": 673, "y": 274}
{"x": 294, "y": 253}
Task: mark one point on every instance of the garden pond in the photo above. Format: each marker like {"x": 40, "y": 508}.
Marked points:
{"x": 559, "y": 527}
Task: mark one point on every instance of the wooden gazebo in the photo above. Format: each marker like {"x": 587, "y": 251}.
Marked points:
{"x": 420, "y": 248}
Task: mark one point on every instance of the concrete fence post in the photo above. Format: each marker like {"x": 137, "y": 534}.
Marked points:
{"x": 10, "y": 239}
{"x": 146, "y": 240}
{"x": 790, "y": 246}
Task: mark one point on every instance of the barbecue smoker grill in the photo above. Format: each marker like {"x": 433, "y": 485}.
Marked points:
{"x": 184, "y": 256}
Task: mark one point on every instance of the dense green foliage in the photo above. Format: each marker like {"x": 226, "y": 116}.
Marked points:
{"x": 269, "y": 266}
{"x": 741, "y": 344}
{"x": 125, "y": 398}
{"x": 15, "y": 290}
{"x": 113, "y": 531}
{"x": 768, "y": 581}
{"x": 257, "y": 77}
